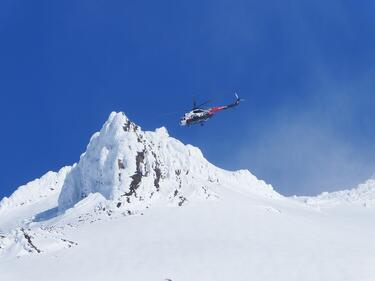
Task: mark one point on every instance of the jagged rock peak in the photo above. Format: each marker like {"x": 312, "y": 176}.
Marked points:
{"x": 120, "y": 120}
{"x": 130, "y": 167}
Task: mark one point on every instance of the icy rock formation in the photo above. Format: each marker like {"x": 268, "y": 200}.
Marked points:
{"x": 130, "y": 167}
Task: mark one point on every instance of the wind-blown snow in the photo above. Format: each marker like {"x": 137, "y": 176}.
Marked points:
{"x": 143, "y": 206}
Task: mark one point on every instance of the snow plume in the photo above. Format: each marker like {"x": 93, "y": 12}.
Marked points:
{"x": 316, "y": 147}
{"x": 307, "y": 158}
{"x": 133, "y": 168}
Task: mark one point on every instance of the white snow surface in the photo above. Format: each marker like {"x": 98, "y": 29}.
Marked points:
{"x": 364, "y": 195}
{"x": 31, "y": 199}
{"x": 143, "y": 206}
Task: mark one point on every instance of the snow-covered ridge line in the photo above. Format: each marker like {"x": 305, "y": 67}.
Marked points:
{"x": 34, "y": 191}
{"x": 363, "y": 193}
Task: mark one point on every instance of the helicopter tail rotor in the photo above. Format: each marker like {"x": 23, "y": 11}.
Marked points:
{"x": 238, "y": 99}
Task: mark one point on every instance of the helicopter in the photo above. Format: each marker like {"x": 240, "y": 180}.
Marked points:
{"x": 199, "y": 115}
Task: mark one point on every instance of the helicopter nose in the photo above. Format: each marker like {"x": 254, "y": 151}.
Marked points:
{"x": 182, "y": 122}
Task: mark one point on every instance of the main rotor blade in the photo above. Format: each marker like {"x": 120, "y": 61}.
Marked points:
{"x": 170, "y": 113}
{"x": 194, "y": 103}
{"x": 205, "y": 103}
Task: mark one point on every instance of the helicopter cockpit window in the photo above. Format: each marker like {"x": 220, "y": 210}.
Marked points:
{"x": 197, "y": 111}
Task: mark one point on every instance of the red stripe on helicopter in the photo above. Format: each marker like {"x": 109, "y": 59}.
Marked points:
{"x": 217, "y": 109}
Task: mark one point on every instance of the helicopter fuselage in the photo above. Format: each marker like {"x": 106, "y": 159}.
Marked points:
{"x": 196, "y": 116}
{"x": 200, "y": 115}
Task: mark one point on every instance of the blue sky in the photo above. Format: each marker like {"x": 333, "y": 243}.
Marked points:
{"x": 305, "y": 68}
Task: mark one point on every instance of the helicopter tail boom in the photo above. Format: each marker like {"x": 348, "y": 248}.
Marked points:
{"x": 219, "y": 108}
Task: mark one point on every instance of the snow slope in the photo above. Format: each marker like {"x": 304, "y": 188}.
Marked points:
{"x": 31, "y": 199}
{"x": 363, "y": 195}
{"x": 143, "y": 206}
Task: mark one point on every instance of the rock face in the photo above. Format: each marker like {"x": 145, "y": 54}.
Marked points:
{"x": 133, "y": 168}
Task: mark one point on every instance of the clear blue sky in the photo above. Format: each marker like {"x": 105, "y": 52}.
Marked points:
{"x": 306, "y": 69}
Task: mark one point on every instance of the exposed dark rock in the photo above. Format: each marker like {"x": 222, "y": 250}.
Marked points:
{"x": 120, "y": 164}
{"x": 157, "y": 177}
{"x": 127, "y": 126}
{"x": 136, "y": 180}
{"x": 140, "y": 138}
{"x": 29, "y": 241}
{"x": 137, "y": 177}
{"x": 204, "y": 189}
{"x": 157, "y": 170}
{"x": 130, "y": 126}
{"x": 69, "y": 242}
{"x": 182, "y": 201}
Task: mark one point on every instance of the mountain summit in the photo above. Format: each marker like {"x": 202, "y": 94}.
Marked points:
{"x": 131, "y": 167}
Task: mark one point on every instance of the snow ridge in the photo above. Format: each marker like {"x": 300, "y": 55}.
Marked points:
{"x": 49, "y": 184}
{"x": 363, "y": 194}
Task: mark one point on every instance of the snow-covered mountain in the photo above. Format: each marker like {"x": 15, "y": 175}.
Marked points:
{"x": 143, "y": 206}
{"x": 363, "y": 194}
{"x": 133, "y": 169}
